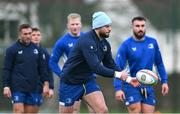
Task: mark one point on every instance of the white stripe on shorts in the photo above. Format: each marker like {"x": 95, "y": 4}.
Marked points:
{"x": 61, "y": 103}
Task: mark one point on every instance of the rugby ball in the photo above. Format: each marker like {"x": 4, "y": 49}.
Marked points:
{"x": 147, "y": 77}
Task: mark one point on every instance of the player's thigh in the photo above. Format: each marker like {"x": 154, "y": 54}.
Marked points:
{"x": 76, "y": 106}
{"x": 31, "y": 108}
{"x": 18, "y": 99}
{"x": 151, "y": 99}
{"x": 18, "y": 107}
{"x": 32, "y": 102}
{"x": 96, "y": 101}
{"x": 68, "y": 95}
{"x": 146, "y": 108}
{"x": 134, "y": 108}
{"x": 65, "y": 109}
{"x": 132, "y": 95}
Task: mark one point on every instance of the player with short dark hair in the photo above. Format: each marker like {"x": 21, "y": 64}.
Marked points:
{"x": 91, "y": 54}
{"x": 23, "y": 68}
{"x": 36, "y": 39}
{"x": 136, "y": 53}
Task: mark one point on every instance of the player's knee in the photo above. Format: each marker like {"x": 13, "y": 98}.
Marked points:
{"x": 18, "y": 111}
{"x": 103, "y": 109}
{"x": 134, "y": 109}
{"x": 76, "y": 110}
{"x": 63, "y": 109}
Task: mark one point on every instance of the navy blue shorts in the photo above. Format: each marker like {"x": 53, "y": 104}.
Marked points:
{"x": 27, "y": 98}
{"x": 138, "y": 94}
{"x": 68, "y": 93}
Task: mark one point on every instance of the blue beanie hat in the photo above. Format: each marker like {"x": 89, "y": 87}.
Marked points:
{"x": 100, "y": 19}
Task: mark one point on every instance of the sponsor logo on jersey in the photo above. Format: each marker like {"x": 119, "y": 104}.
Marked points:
{"x": 20, "y": 52}
{"x": 70, "y": 44}
{"x": 134, "y": 48}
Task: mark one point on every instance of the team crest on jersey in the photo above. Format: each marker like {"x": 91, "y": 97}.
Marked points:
{"x": 150, "y": 46}
{"x": 105, "y": 48}
{"x": 20, "y": 52}
{"x": 35, "y": 51}
{"x": 70, "y": 44}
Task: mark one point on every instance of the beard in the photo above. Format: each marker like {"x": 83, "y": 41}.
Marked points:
{"x": 139, "y": 35}
{"x": 103, "y": 35}
{"x": 25, "y": 42}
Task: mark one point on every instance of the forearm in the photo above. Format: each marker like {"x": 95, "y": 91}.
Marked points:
{"x": 104, "y": 71}
{"x": 6, "y": 78}
{"x": 117, "y": 84}
{"x": 54, "y": 67}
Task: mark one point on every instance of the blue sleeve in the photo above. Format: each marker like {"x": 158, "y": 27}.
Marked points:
{"x": 50, "y": 74}
{"x": 57, "y": 52}
{"x": 160, "y": 65}
{"x": 121, "y": 57}
{"x": 90, "y": 55}
{"x": 8, "y": 67}
{"x": 117, "y": 84}
{"x": 121, "y": 63}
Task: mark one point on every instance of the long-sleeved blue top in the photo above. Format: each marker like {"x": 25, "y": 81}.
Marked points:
{"x": 89, "y": 55}
{"x": 139, "y": 55}
{"x": 23, "y": 67}
{"x": 62, "y": 46}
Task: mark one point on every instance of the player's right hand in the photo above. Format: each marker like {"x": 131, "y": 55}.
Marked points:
{"x": 165, "y": 89}
{"x": 119, "y": 95}
{"x": 121, "y": 75}
{"x": 7, "y": 92}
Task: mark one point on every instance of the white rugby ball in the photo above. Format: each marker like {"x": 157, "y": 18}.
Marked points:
{"x": 147, "y": 77}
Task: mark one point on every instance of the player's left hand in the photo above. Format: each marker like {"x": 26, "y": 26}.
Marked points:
{"x": 165, "y": 89}
{"x": 46, "y": 89}
{"x": 119, "y": 95}
{"x": 134, "y": 82}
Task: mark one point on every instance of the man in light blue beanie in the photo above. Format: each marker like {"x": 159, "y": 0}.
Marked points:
{"x": 100, "y": 19}
{"x": 91, "y": 54}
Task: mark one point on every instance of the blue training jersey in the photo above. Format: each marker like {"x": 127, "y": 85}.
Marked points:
{"x": 23, "y": 67}
{"x": 139, "y": 55}
{"x": 62, "y": 47}
{"x": 90, "y": 55}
